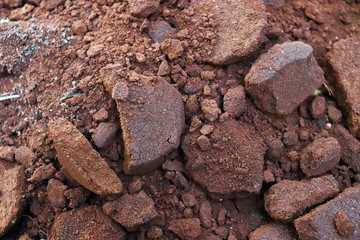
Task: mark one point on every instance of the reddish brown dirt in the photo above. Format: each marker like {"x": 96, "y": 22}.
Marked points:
{"x": 51, "y": 54}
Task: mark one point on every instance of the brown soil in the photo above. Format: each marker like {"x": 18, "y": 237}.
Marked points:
{"x": 177, "y": 117}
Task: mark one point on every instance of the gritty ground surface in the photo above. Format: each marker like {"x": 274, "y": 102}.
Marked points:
{"x": 194, "y": 182}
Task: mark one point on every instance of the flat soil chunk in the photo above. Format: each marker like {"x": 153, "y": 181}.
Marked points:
{"x": 288, "y": 199}
{"x": 284, "y": 77}
{"x": 152, "y": 118}
{"x": 85, "y": 224}
{"x": 229, "y": 30}
{"x": 131, "y": 210}
{"x": 12, "y": 194}
{"x": 336, "y": 219}
{"x": 320, "y": 156}
{"x": 345, "y": 61}
{"x": 81, "y": 161}
{"x": 273, "y": 231}
{"x": 233, "y": 163}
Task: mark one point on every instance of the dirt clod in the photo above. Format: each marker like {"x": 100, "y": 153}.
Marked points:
{"x": 85, "y": 223}
{"x": 131, "y": 210}
{"x": 186, "y": 228}
{"x": 320, "y": 156}
{"x": 287, "y": 199}
{"x": 284, "y": 77}
{"x": 81, "y": 161}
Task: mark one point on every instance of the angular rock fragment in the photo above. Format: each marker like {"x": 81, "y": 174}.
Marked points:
{"x": 210, "y": 109}
{"x": 233, "y": 164}
{"x": 105, "y": 134}
{"x": 272, "y": 231}
{"x": 332, "y": 220}
{"x": 131, "y": 210}
{"x": 288, "y": 199}
{"x": 320, "y": 156}
{"x": 186, "y": 228}
{"x": 81, "y": 161}
{"x": 345, "y": 61}
{"x": 284, "y": 77}
{"x": 234, "y": 101}
{"x": 350, "y": 146}
{"x": 86, "y": 223}
{"x": 228, "y": 30}
{"x": 12, "y": 199}
{"x": 143, "y": 8}
{"x": 152, "y": 118}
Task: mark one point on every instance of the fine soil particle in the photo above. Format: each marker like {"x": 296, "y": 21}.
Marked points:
{"x": 319, "y": 223}
{"x": 233, "y": 163}
{"x": 81, "y": 161}
{"x": 344, "y": 59}
{"x": 286, "y": 71}
{"x": 85, "y": 223}
{"x": 152, "y": 119}
{"x": 288, "y": 200}
{"x": 273, "y": 231}
{"x": 12, "y": 195}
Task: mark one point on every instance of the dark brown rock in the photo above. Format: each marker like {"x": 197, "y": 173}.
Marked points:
{"x": 131, "y": 210}
{"x": 152, "y": 119}
{"x": 143, "y": 8}
{"x": 287, "y": 200}
{"x": 186, "y": 228}
{"x": 105, "y": 134}
{"x": 272, "y": 231}
{"x": 231, "y": 36}
{"x": 344, "y": 59}
{"x": 81, "y": 161}
{"x": 284, "y": 77}
{"x": 234, "y": 101}
{"x": 85, "y": 223}
{"x": 233, "y": 164}
{"x": 350, "y": 146}
{"x": 12, "y": 199}
{"x": 324, "y": 221}
{"x": 76, "y": 196}
{"x": 320, "y": 156}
